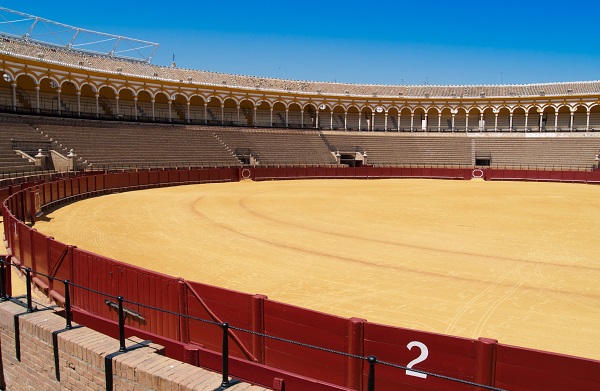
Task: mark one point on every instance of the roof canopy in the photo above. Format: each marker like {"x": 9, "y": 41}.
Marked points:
{"x": 44, "y": 31}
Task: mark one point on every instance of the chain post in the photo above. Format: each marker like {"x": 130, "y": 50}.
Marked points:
{"x": 371, "y": 383}
{"x": 67, "y": 305}
{"x": 225, "y": 353}
{"x": 28, "y": 283}
{"x": 122, "y": 347}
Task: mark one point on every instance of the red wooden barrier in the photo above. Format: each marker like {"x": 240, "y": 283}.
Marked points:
{"x": 150, "y": 289}
{"x": 153, "y": 178}
{"x": 219, "y": 305}
{"x": 143, "y": 178}
{"x": 4, "y": 193}
{"x": 134, "y": 180}
{"x": 306, "y": 326}
{"x": 99, "y": 182}
{"x": 441, "y": 354}
{"x": 184, "y": 176}
{"x": 194, "y": 175}
{"x": 163, "y": 177}
{"x": 482, "y": 361}
{"x": 521, "y": 369}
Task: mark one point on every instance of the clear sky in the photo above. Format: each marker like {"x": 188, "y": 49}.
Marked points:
{"x": 385, "y": 42}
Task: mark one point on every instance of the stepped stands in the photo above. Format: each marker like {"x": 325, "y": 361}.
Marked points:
{"x": 557, "y": 152}
{"x": 28, "y": 140}
{"x": 280, "y": 147}
{"x": 394, "y": 149}
{"x": 140, "y": 145}
{"x": 117, "y": 144}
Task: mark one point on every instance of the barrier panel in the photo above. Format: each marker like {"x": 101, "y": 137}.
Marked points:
{"x": 134, "y": 180}
{"x": 308, "y": 327}
{"x": 82, "y": 184}
{"x": 4, "y": 193}
{"x": 25, "y": 253}
{"x": 143, "y": 178}
{"x": 521, "y": 369}
{"x": 184, "y": 176}
{"x": 153, "y": 178}
{"x": 154, "y": 290}
{"x": 163, "y": 177}
{"x": 40, "y": 251}
{"x": 219, "y": 305}
{"x": 68, "y": 187}
{"x": 99, "y": 182}
{"x": 440, "y": 354}
{"x": 194, "y": 175}
{"x": 60, "y": 265}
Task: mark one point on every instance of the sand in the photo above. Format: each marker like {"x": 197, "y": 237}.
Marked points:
{"x": 512, "y": 261}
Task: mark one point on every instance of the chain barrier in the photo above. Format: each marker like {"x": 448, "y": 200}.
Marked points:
{"x": 371, "y": 360}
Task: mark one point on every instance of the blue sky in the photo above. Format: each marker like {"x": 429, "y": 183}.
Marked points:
{"x": 385, "y": 42}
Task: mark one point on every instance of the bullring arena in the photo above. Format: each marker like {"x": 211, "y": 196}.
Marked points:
{"x": 333, "y": 236}
{"x": 473, "y": 258}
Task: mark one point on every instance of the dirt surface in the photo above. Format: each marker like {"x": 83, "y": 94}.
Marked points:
{"x": 513, "y": 261}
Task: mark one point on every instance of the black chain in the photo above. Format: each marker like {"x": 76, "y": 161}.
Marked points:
{"x": 279, "y": 339}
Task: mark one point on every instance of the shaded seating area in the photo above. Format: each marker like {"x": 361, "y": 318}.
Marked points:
{"x": 16, "y": 137}
{"x": 279, "y": 147}
{"x": 394, "y": 149}
{"x": 137, "y": 145}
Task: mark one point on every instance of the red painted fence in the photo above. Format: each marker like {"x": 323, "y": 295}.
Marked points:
{"x": 257, "y": 358}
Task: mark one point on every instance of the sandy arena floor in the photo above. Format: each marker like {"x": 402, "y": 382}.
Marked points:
{"x": 517, "y": 262}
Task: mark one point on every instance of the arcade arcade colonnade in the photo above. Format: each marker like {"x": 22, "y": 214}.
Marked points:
{"x": 61, "y": 90}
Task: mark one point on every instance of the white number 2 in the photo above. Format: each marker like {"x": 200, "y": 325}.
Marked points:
{"x": 422, "y": 357}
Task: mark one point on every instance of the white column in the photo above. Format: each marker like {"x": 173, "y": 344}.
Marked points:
{"x": 301, "y": 118}
{"x": 331, "y": 121}
{"x": 452, "y": 126}
{"x": 587, "y": 125}
{"x": 541, "y": 120}
{"x": 421, "y": 125}
{"x": 555, "y": 120}
{"x": 222, "y": 113}
{"x": 346, "y": 119}
{"x": 206, "y": 112}
{"x": 571, "y": 121}
{"x": 495, "y": 122}
{"x": 58, "y": 101}
{"x": 399, "y": 119}
{"x": 254, "y": 122}
{"x": 412, "y": 121}
{"x": 510, "y": 122}
{"x": 481, "y": 122}
{"x": 97, "y": 95}
{"x": 238, "y": 114}
{"x": 372, "y": 120}
{"x": 117, "y": 104}
{"x": 78, "y": 103}
{"x": 14, "y": 95}
{"x": 317, "y": 119}
{"x": 287, "y": 117}
{"x": 526, "y": 118}
{"x": 153, "y": 109}
{"x": 37, "y": 98}
{"x": 188, "y": 117}
{"x": 135, "y": 110}
{"x": 439, "y": 121}
{"x": 385, "y": 123}
{"x": 359, "y": 120}
{"x": 467, "y": 122}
